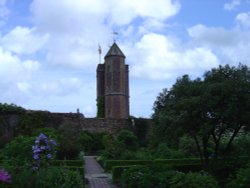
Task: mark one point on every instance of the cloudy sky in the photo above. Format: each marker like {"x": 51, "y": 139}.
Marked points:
{"x": 48, "y": 48}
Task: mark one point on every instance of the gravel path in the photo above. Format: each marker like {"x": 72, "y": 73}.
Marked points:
{"x": 95, "y": 176}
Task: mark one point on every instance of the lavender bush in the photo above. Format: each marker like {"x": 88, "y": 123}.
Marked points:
{"x": 43, "y": 151}
{"x": 4, "y": 176}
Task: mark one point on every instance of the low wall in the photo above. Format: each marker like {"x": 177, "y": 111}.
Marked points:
{"x": 105, "y": 125}
{"x": 10, "y": 122}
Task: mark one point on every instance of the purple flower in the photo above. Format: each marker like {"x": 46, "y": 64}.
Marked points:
{"x": 42, "y": 147}
{"x": 53, "y": 142}
{"x": 36, "y": 156}
{"x": 43, "y": 150}
{"x": 42, "y": 136}
{"x": 37, "y": 150}
{"x": 49, "y": 156}
{"x": 4, "y": 176}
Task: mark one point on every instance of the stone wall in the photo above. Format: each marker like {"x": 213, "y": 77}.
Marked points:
{"x": 94, "y": 124}
{"x": 10, "y": 122}
{"x": 105, "y": 125}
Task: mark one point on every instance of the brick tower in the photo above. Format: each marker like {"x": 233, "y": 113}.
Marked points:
{"x": 113, "y": 85}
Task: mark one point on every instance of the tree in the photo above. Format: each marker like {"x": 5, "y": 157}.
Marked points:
{"x": 207, "y": 110}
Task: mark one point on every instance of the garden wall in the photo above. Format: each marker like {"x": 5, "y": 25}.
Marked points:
{"x": 9, "y": 123}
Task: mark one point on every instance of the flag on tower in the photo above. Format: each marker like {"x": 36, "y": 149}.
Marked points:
{"x": 99, "y": 49}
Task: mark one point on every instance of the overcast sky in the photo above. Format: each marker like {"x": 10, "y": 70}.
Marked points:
{"x": 49, "y": 48}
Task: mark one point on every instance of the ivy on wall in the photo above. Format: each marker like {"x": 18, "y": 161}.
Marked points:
{"x": 100, "y": 107}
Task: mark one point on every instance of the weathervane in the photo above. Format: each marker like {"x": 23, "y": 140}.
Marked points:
{"x": 114, "y": 33}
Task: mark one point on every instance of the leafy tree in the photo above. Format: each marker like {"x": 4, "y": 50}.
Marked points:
{"x": 141, "y": 130}
{"x": 128, "y": 138}
{"x": 190, "y": 180}
{"x": 11, "y": 108}
{"x": 19, "y": 151}
{"x": 69, "y": 146}
{"x": 241, "y": 179}
{"x": 207, "y": 110}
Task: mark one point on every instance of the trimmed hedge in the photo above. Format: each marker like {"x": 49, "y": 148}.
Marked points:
{"x": 184, "y": 161}
{"x": 76, "y": 163}
{"x": 118, "y": 170}
{"x": 109, "y": 164}
{"x": 74, "y": 168}
{"x": 182, "y": 165}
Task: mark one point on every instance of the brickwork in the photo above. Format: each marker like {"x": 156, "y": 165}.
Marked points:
{"x": 113, "y": 84}
{"x": 10, "y": 122}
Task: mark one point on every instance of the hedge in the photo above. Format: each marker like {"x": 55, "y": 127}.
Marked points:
{"x": 74, "y": 168}
{"x": 184, "y": 161}
{"x": 118, "y": 170}
{"x": 183, "y": 165}
{"x": 76, "y": 163}
{"x": 109, "y": 164}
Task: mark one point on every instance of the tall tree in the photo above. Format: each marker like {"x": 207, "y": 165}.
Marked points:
{"x": 206, "y": 109}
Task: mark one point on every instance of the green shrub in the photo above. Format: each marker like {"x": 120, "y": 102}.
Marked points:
{"x": 242, "y": 178}
{"x": 143, "y": 154}
{"x": 19, "y": 151}
{"x": 76, "y": 163}
{"x": 164, "y": 152}
{"x": 146, "y": 177}
{"x": 117, "y": 172}
{"x": 109, "y": 164}
{"x": 113, "y": 151}
{"x": 47, "y": 178}
{"x": 223, "y": 168}
{"x": 192, "y": 180}
{"x": 141, "y": 128}
{"x": 128, "y": 138}
{"x": 69, "y": 147}
{"x": 183, "y": 161}
{"x": 137, "y": 177}
{"x": 80, "y": 170}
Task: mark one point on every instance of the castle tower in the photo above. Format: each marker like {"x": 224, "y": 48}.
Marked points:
{"x": 113, "y": 85}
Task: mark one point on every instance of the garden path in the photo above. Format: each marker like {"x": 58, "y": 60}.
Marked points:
{"x": 95, "y": 176}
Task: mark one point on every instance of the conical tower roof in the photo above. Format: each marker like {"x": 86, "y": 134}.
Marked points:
{"x": 114, "y": 51}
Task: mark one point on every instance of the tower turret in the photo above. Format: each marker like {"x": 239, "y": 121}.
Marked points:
{"x": 113, "y": 85}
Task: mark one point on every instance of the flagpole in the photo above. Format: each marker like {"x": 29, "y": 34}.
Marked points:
{"x": 100, "y": 53}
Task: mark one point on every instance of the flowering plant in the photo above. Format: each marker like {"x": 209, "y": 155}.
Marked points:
{"x": 43, "y": 151}
{"x": 4, "y": 176}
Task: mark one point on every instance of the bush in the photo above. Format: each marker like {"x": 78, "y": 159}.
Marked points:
{"x": 146, "y": 177}
{"x": 19, "y": 151}
{"x": 183, "y": 161}
{"x": 141, "y": 128}
{"x": 109, "y": 164}
{"x": 242, "y": 178}
{"x": 75, "y": 163}
{"x": 113, "y": 151}
{"x": 69, "y": 147}
{"x": 117, "y": 172}
{"x": 128, "y": 138}
{"x": 47, "y": 178}
{"x": 192, "y": 180}
{"x": 137, "y": 177}
{"x": 164, "y": 152}
{"x": 91, "y": 141}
